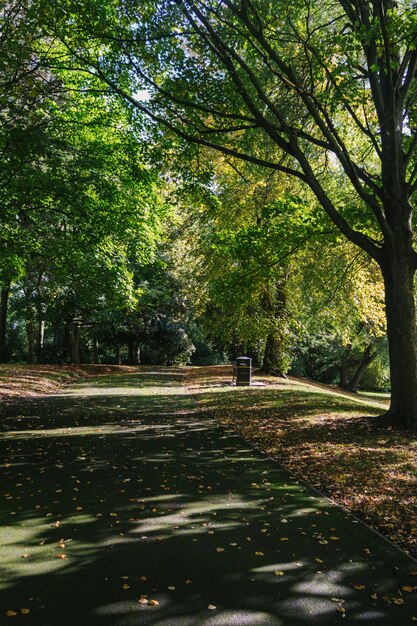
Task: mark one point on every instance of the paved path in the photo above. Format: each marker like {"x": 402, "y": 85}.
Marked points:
{"x": 123, "y": 491}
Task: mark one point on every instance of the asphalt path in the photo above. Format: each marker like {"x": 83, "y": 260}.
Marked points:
{"x": 123, "y": 504}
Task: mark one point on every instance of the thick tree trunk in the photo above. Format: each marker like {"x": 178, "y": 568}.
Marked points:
{"x": 367, "y": 358}
{"x": 274, "y": 303}
{"x": 4, "y": 300}
{"x": 272, "y": 356}
{"x": 398, "y": 273}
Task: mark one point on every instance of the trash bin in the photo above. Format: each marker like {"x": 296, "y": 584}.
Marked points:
{"x": 243, "y": 371}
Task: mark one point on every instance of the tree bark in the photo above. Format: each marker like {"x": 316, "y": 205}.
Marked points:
{"x": 30, "y": 334}
{"x": 344, "y": 382}
{"x": 272, "y": 356}
{"x": 4, "y": 301}
{"x": 133, "y": 353}
{"x": 367, "y": 358}
{"x": 74, "y": 341}
{"x": 40, "y": 335}
{"x": 274, "y": 303}
{"x": 398, "y": 273}
{"x": 95, "y": 346}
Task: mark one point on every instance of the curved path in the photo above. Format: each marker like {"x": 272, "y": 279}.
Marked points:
{"x": 123, "y": 505}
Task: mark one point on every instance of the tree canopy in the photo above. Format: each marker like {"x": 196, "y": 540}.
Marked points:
{"x": 321, "y": 91}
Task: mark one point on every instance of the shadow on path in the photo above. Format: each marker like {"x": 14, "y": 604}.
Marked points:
{"x": 122, "y": 490}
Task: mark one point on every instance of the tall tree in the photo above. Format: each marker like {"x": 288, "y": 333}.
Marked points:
{"x": 332, "y": 85}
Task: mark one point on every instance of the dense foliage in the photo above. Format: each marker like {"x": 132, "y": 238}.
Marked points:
{"x": 188, "y": 181}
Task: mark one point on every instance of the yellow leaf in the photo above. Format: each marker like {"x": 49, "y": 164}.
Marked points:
{"x": 153, "y": 602}
{"x": 398, "y": 601}
{"x": 24, "y": 611}
{"x": 279, "y": 572}
{"x": 11, "y": 613}
{"x": 219, "y": 549}
{"x": 126, "y": 586}
{"x": 143, "y": 601}
{"x": 259, "y": 553}
{"x": 359, "y": 587}
{"x": 61, "y": 555}
{"x": 407, "y": 588}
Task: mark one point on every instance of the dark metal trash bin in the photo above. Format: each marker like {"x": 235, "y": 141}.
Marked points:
{"x": 243, "y": 371}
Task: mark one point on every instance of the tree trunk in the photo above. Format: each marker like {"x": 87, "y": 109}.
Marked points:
{"x": 118, "y": 355}
{"x": 74, "y": 341}
{"x": 398, "y": 273}
{"x": 40, "y": 336}
{"x": 274, "y": 303}
{"x": 134, "y": 353}
{"x": 273, "y": 356}
{"x": 66, "y": 342}
{"x": 30, "y": 333}
{"x": 4, "y": 300}
{"x": 344, "y": 382}
{"x": 367, "y": 358}
{"x": 95, "y": 347}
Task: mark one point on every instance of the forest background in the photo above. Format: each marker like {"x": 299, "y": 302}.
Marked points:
{"x": 153, "y": 212}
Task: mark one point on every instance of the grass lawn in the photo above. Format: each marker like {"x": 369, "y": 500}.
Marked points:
{"x": 332, "y": 440}
{"x": 329, "y": 438}
{"x": 124, "y": 502}
{"x": 23, "y": 380}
